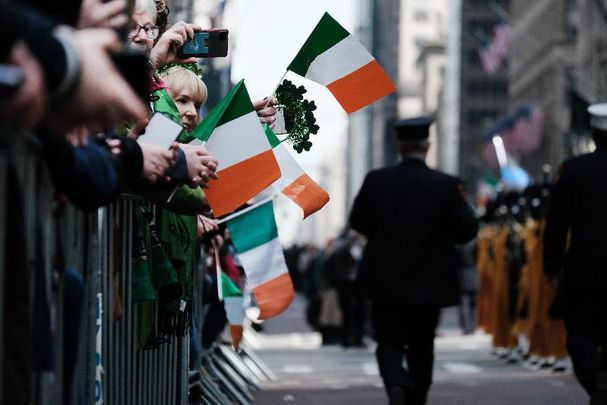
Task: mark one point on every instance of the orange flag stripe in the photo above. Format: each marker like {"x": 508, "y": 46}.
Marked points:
{"x": 236, "y": 332}
{"x": 362, "y": 87}
{"x": 307, "y": 194}
{"x": 241, "y": 182}
{"x": 274, "y": 296}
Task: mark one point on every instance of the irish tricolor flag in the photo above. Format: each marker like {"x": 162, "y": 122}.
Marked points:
{"x": 234, "y": 135}
{"x": 294, "y": 183}
{"x": 232, "y": 299}
{"x": 334, "y": 58}
{"x": 255, "y": 239}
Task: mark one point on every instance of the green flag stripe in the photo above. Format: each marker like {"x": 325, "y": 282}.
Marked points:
{"x": 239, "y": 106}
{"x": 254, "y": 228}
{"x": 228, "y": 287}
{"x": 272, "y": 138}
{"x": 164, "y": 103}
{"x": 235, "y": 104}
{"x": 325, "y": 35}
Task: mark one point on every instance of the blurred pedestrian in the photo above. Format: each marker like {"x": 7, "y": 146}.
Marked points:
{"x": 575, "y": 257}
{"x": 468, "y": 286}
{"x": 341, "y": 268}
{"x": 412, "y": 217}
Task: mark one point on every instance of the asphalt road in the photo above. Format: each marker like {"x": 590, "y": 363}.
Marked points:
{"x": 465, "y": 371}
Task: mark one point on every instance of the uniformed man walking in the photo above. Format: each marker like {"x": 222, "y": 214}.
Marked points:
{"x": 575, "y": 257}
{"x": 412, "y": 217}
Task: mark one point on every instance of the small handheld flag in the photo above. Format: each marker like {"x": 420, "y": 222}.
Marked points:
{"x": 234, "y": 135}
{"x": 255, "y": 237}
{"x": 332, "y": 57}
{"x": 294, "y": 183}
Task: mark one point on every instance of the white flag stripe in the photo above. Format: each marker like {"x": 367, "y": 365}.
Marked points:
{"x": 234, "y": 310}
{"x": 238, "y": 140}
{"x": 263, "y": 263}
{"x": 340, "y": 60}
{"x": 289, "y": 169}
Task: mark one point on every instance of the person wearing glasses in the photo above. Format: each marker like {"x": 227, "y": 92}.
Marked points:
{"x": 144, "y": 33}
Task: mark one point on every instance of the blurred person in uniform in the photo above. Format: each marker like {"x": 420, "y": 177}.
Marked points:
{"x": 575, "y": 257}
{"x": 412, "y": 217}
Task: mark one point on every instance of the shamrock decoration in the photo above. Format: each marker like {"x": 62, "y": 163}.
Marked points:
{"x": 189, "y": 66}
{"x": 299, "y": 117}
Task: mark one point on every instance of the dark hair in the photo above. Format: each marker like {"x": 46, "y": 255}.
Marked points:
{"x": 417, "y": 146}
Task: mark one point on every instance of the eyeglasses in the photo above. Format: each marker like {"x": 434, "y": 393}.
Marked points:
{"x": 151, "y": 30}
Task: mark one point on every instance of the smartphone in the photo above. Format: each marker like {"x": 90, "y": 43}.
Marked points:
{"x": 206, "y": 44}
{"x": 161, "y": 131}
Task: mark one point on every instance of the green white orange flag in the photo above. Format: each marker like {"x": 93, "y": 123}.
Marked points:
{"x": 233, "y": 304}
{"x": 294, "y": 183}
{"x": 332, "y": 57}
{"x": 255, "y": 238}
{"x": 247, "y": 165}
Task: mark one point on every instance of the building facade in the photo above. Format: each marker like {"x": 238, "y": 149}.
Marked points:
{"x": 541, "y": 72}
{"x": 397, "y": 33}
{"x": 483, "y": 97}
{"x": 371, "y": 141}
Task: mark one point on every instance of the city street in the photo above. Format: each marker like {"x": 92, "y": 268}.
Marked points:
{"x": 465, "y": 371}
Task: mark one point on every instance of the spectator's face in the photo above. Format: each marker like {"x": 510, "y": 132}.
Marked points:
{"x": 138, "y": 34}
{"x": 188, "y": 108}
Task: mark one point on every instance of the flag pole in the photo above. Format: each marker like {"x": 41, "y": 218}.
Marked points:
{"x": 276, "y": 88}
{"x": 244, "y": 211}
{"x": 218, "y": 272}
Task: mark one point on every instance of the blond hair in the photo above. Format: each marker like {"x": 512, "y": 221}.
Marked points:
{"x": 179, "y": 79}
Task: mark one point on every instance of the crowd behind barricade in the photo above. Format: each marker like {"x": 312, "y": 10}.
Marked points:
{"x": 80, "y": 98}
{"x": 516, "y": 300}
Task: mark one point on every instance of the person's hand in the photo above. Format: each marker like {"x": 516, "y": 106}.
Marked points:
{"x": 114, "y": 145}
{"x": 103, "y": 98}
{"x": 97, "y": 14}
{"x": 156, "y": 160}
{"x": 206, "y": 225}
{"x": 78, "y": 136}
{"x": 138, "y": 129}
{"x": 27, "y": 106}
{"x": 266, "y": 110}
{"x": 165, "y": 50}
{"x": 202, "y": 167}
{"x": 217, "y": 241}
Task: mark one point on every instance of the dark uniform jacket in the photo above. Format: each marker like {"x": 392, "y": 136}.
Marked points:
{"x": 412, "y": 217}
{"x": 579, "y": 205}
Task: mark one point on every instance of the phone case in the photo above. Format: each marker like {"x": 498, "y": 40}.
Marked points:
{"x": 206, "y": 44}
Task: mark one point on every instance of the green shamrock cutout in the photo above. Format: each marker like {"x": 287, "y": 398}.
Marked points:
{"x": 299, "y": 116}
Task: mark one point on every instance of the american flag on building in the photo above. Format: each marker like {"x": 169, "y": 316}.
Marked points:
{"x": 494, "y": 50}
{"x": 521, "y": 132}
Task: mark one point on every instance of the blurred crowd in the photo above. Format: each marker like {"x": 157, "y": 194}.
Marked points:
{"x": 335, "y": 305}
{"x": 81, "y": 80}
{"x": 326, "y": 277}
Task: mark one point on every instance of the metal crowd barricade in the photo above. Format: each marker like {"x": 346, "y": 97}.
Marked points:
{"x": 110, "y": 368}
